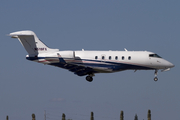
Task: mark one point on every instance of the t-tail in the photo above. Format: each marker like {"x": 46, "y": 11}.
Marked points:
{"x": 31, "y": 43}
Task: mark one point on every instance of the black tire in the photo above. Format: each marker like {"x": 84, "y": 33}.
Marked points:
{"x": 155, "y": 79}
{"x": 89, "y": 78}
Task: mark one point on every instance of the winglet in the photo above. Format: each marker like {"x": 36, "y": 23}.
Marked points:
{"x": 165, "y": 70}
{"x": 125, "y": 49}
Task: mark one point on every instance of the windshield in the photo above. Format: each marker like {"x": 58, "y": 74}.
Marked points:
{"x": 154, "y": 55}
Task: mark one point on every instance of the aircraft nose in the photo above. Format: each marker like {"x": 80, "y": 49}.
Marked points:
{"x": 170, "y": 65}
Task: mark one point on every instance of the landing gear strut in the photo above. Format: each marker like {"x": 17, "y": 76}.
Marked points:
{"x": 155, "y": 78}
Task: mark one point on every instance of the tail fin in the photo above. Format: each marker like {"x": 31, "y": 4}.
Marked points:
{"x": 31, "y": 43}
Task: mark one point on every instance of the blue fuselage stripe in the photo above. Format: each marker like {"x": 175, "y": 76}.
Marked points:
{"x": 114, "y": 66}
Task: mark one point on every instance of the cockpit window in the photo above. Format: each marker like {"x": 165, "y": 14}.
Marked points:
{"x": 154, "y": 55}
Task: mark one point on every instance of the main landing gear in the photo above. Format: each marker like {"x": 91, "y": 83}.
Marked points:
{"x": 155, "y": 73}
{"x": 89, "y": 78}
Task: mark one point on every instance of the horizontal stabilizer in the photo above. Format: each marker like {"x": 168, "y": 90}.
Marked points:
{"x": 21, "y": 33}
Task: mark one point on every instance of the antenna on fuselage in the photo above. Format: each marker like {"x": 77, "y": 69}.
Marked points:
{"x": 125, "y": 49}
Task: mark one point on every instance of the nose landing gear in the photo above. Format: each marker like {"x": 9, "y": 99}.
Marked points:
{"x": 155, "y": 78}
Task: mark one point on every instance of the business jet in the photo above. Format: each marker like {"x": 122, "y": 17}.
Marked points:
{"x": 89, "y": 63}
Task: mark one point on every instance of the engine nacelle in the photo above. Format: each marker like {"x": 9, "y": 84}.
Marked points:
{"x": 67, "y": 54}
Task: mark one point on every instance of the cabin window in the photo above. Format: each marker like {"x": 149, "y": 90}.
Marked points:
{"x": 109, "y": 57}
{"x": 103, "y": 57}
{"x": 96, "y": 57}
{"x": 122, "y": 57}
{"x": 116, "y": 57}
{"x": 129, "y": 58}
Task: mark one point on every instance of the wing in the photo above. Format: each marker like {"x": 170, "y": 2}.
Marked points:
{"x": 76, "y": 69}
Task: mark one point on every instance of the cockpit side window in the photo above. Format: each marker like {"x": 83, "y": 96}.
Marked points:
{"x": 154, "y": 55}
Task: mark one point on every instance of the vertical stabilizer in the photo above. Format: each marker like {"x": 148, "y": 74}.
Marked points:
{"x": 31, "y": 43}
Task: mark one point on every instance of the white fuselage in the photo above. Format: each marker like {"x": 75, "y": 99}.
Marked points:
{"x": 106, "y": 61}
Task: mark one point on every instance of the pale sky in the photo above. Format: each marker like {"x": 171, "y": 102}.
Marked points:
{"x": 28, "y": 87}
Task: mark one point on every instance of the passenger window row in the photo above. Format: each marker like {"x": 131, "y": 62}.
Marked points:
{"x": 116, "y": 57}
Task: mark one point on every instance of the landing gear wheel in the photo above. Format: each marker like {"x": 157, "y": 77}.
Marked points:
{"x": 89, "y": 78}
{"x": 155, "y": 79}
